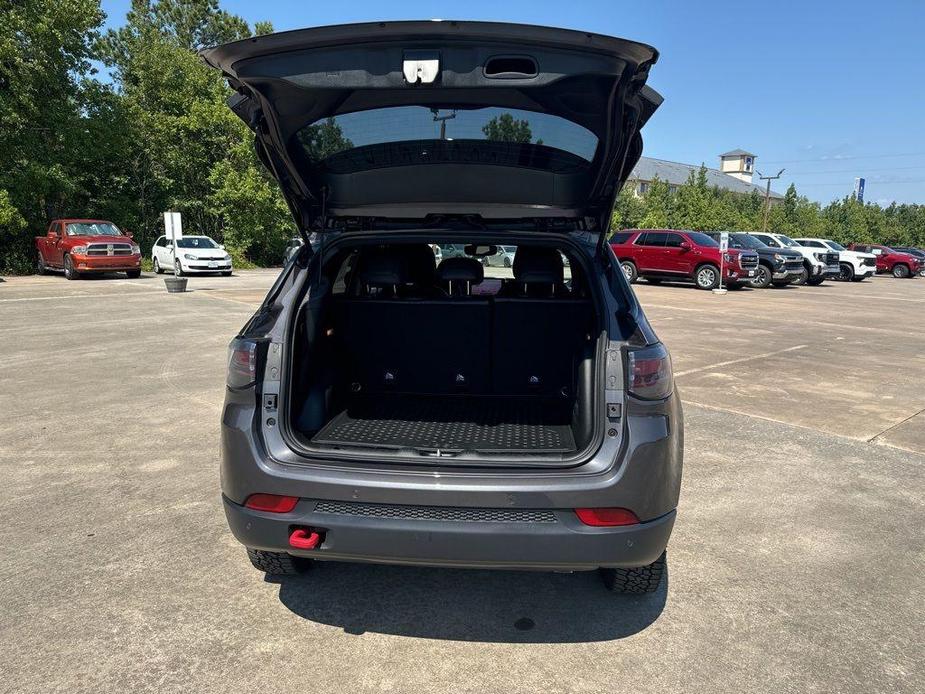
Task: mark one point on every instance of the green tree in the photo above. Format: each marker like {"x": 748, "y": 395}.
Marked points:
{"x": 45, "y": 64}
{"x": 659, "y": 202}
{"x": 505, "y": 128}
{"x": 323, "y": 139}
{"x": 185, "y": 137}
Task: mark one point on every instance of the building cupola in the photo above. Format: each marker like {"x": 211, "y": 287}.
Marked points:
{"x": 739, "y": 164}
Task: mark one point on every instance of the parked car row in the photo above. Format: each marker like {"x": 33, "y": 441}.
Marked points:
{"x": 754, "y": 259}
{"x": 86, "y": 246}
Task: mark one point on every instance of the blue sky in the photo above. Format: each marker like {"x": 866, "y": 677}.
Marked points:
{"x": 827, "y": 89}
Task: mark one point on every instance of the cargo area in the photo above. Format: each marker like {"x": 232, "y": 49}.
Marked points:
{"x": 401, "y": 353}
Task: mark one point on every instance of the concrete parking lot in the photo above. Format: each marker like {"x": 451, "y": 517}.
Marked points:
{"x": 796, "y": 564}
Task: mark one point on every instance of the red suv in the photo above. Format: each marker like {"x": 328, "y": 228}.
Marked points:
{"x": 666, "y": 254}
{"x": 898, "y": 263}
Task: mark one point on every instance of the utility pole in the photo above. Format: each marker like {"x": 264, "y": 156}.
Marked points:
{"x": 442, "y": 120}
{"x": 767, "y": 196}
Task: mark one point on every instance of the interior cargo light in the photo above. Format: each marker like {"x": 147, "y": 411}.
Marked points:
{"x": 606, "y": 517}
{"x": 271, "y": 503}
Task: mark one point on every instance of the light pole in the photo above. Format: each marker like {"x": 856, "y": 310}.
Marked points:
{"x": 767, "y": 196}
{"x": 442, "y": 120}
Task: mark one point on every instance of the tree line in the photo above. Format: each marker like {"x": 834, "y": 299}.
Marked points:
{"x": 126, "y": 123}
{"x": 697, "y": 205}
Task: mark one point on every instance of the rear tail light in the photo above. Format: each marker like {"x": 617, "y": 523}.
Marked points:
{"x": 649, "y": 372}
{"x": 242, "y": 363}
{"x": 606, "y": 517}
{"x": 271, "y": 503}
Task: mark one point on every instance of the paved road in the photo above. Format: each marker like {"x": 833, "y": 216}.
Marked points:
{"x": 796, "y": 563}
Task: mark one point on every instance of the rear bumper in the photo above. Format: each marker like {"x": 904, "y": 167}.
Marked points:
{"x": 564, "y": 544}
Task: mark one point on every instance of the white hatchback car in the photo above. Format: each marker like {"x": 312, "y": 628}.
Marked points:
{"x": 194, "y": 254}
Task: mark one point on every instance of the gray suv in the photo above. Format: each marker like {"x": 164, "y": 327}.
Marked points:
{"x": 382, "y": 407}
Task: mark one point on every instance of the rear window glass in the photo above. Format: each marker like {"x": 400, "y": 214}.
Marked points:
{"x": 508, "y": 136}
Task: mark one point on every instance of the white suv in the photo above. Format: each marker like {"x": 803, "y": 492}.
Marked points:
{"x": 853, "y": 265}
{"x": 817, "y": 264}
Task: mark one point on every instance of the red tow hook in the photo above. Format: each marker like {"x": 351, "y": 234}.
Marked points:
{"x": 304, "y": 538}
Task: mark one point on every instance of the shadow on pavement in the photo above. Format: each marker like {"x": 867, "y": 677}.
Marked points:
{"x": 468, "y": 605}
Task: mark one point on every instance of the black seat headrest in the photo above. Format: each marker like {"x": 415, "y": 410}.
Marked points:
{"x": 538, "y": 265}
{"x": 382, "y": 268}
{"x": 460, "y": 270}
{"x": 421, "y": 263}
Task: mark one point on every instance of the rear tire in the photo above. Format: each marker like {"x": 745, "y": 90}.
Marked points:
{"x": 763, "y": 277}
{"x": 629, "y": 270}
{"x": 845, "y": 272}
{"x": 706, "y": 276}
{"x": 277, "y": 563}
{"x": 157, "y": 266}
{"x": 901, "y": 271}
{"x": 133, "y": 274}
{"x": 69, "y": 271}
{"x": 644, "y": 579}
{"x": 40, "y": 265}
{"x": 815, "y": 281}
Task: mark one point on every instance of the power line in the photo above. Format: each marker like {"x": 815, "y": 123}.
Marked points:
{"x": 856, "y": 169}
{"x": 845, "y": 158}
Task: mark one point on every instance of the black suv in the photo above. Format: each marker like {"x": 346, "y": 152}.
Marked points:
{"x": 382, "y": 408}
{"x": 777, "y": 266}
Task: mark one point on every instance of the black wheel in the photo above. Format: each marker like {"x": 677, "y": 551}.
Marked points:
{"x": 901, "y": 271}
{"x": 654, "y": 280}
{"x": 40, "y": 265}
{"x": 177, "y": 268}
{"x": 69, "y": 271}
{"x": 277, "y": 563}
{"x": 803, "y": 277}
{"x": 845, "y": 272}
{"x": 226, "y": 273}
{"x": 859, "y": 278}
{"x": 133, "y": 274}
{"x": 707, "y": 277}
{"x": 815, "y": 281}
{"x": 645, "y": 579}
{"x": 763, "y": 277}
{"x": 781, "y": 283}
{"x": 629, "y": 270}
{"x": 156, "y": 266}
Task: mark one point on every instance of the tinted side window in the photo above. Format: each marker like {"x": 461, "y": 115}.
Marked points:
{"x": 674, "y": 240}
{"x": 621, "y": 237}
{"x": 652, "y": 238}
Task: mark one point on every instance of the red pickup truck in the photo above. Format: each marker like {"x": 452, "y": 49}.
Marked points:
{"x": 669, "y": 254}
{"x": 80, "y": 246}
{"x": 897, "y": 263}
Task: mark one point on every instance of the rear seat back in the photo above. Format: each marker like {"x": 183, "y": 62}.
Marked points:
{"x": 397, "y": 341}
{"x": 539, "y": 331}
{"x": 393, "y": 341}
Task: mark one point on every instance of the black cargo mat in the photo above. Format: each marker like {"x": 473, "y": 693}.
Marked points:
{"x": 455, "y": 423}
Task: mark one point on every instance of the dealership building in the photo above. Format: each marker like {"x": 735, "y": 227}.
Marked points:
{"x": 736, "y": 171}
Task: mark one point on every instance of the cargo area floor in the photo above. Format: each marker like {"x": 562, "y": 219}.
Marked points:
{"x": 453, "y": 423}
